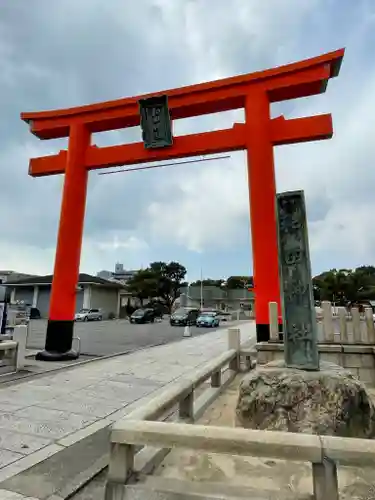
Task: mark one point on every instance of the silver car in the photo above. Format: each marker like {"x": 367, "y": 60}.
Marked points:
{"x": 89, "y": 315}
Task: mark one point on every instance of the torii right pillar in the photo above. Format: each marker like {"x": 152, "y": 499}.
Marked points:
{"x": 262, "y": 194}
{"x": 262, "y": 134}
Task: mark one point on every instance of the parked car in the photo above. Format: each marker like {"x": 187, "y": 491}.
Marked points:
{"x": 184, "y": 316}
{"x": 35, "y": 313}
{"x": 224, "y": 316}
{"x": 208, "y": 319}
{"x": 157, "y": 308}
{"x": 89, "y": 315}
{"x": 143, "y": 316}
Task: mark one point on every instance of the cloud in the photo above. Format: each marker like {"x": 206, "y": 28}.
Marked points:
{"x": 65, "y": 53}
{"x": 130, "y": 242}
{"x": 209, "y": 203}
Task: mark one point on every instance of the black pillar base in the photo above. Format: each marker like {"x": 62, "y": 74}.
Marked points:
{"x": 263, "y": 332}
{"x": 281, "y": 332}
{"x": 59, "y": 340}
{"x": 56, "y": 356}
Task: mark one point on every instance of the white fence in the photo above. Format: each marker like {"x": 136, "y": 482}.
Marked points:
{"x": 335, "y": 325}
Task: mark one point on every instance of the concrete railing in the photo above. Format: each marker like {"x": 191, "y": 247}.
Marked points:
{"x": 273, "y": 313}
{"x": 324, "y": 452}
{"x": 125, "y": 461}
{"x": 335, "y": 325}
{"x": 346, "y": 327}
{"x": 8, "y": 356}
{"x": 13, "y": 350}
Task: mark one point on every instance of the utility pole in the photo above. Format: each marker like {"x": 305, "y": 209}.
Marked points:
{"x": 201, "y": 301}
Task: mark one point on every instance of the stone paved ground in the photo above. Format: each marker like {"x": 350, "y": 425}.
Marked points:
{"x": 42, "y": 416}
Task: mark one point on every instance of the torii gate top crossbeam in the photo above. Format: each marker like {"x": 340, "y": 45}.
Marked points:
{"x": 301, "y": 79}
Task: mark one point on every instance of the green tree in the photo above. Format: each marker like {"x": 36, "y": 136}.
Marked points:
{"x": 333, "y": 285}
{"x": 345, "y": 285}
{"x": 143, "y": 285}
{"x": 160, "y": 280}
{"x": 236, "y": 282}
{"x": 207, "y": 282}
{"x": 363, "y": 283}
{"x": 170, "y": 279}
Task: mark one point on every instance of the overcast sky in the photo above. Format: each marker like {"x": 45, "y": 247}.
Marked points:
{"x": 62, "y": 53}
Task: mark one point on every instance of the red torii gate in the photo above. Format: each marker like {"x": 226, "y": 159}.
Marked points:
{"x": 254, "y": 92}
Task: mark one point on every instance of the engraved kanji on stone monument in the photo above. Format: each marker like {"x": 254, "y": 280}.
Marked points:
{"x": 300, "y": 328}
{"x": 155, "y": 122}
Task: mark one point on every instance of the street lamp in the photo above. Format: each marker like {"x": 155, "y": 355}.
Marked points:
{"x": 201, "y": 290}
{"x": 186, "y": 296}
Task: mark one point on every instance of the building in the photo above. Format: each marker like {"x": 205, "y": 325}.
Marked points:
{"x": 105, "y": 275}
{"x": 217, "y": 298}
{"x": 119, "y": 274}
{"x": 92, "y": 292}
{"x": 13, "y": 276}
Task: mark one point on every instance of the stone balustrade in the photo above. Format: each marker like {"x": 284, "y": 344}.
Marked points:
{"x": 13, "y": 351}
{"x": 124, "y": 461}
{"x": 8, "y": 356}
{"x": 324, "y": 452}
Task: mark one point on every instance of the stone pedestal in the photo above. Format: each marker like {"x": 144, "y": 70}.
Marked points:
{"x": 328, "y": 402}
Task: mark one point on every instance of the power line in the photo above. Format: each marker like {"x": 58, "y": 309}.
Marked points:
{"x": 163, "y": 165}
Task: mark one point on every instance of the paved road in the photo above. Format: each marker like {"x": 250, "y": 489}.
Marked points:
{"x": 100, "y": 338}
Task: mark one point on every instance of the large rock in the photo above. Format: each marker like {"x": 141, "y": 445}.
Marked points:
{"x": 330, "y": 401}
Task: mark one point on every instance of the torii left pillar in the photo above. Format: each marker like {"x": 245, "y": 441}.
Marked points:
{"x": 68, "y": 250}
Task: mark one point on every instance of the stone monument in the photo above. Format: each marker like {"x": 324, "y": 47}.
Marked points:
{"x": 300, "y": 394}
{"x": 298, "y": 311}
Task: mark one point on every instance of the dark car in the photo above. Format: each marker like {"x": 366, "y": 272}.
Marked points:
{"x": 35, "y": 313}
{"x": 158, "y": 308}
{"x": 143, "y": 316}
{"x": 184, "y": 317}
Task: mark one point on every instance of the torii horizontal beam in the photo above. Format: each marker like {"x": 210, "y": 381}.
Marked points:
{"x": 283, "y": 131}
{"x": 291, "y": 81}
